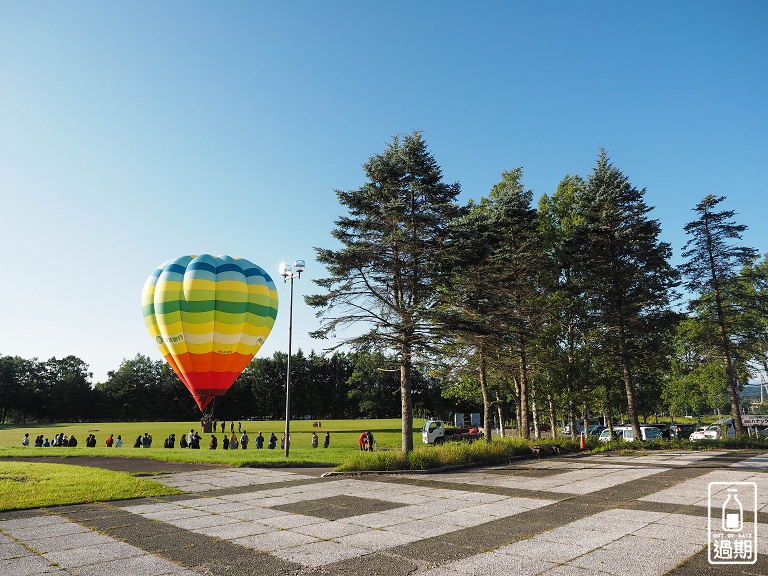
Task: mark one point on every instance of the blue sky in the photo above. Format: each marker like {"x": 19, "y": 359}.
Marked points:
{"x": 133, "y": 133}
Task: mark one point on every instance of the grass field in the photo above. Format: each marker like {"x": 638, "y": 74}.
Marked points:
{"x": 34, "y": 485}
{"x": 344, "y": 441}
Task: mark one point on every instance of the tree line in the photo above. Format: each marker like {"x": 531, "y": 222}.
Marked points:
{"x": 565, "y": 307}
{"x": 535, "y": 312}
{"x": 337, "y": 386}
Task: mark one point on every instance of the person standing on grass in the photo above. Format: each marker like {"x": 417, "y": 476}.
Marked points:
{"x": 213, "y": 443}
{"x": 110, "y": 441}
{"x": 259, "y": 441}
{"x": 244, "y": 440}
{"x": 25, "y": 440}
{"x": 118, "y": 442}
{"x": 327, "y": 439}
{"x": 314, "y": 440}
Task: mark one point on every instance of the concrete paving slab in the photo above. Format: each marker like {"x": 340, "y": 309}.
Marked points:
{"x": 82, "y": 555}
{"x": 275, "y": 540}
{"x": 321, "y": 553}
{"x": 28, "y": 565}
{"x": 496, "y": 563}
{"x": 233, "y": 530}
{"x": 457, "y": 523}
{"x": 10, "y": 549}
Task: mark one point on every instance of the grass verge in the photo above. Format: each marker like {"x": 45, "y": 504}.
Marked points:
{"x": 25, "y": 485}
{"x": 500, "y": 450}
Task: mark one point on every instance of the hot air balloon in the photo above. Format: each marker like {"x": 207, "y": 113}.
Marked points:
{"x": 209, "y": 316}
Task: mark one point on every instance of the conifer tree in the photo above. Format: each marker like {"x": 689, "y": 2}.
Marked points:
{"x": 383, "y": 276}
{"x": 628, "y": 281}
{"x": 711, "y": 270}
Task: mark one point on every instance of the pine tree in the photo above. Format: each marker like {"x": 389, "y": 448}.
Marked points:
{"x": 711, "y": 270}
{"x": 628, "y": 280}
{"x": 383, "y": 276}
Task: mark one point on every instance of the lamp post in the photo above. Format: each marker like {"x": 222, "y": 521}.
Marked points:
{"x": 289, "y": 273}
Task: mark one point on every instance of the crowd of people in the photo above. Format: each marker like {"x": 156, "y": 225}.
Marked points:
{"x": 190, "y": 440}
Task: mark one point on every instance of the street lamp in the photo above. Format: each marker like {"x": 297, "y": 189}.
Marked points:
{"x": 289, "y": 273}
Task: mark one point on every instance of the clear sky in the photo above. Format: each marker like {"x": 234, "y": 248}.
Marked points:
{"x": 136, "y": 132}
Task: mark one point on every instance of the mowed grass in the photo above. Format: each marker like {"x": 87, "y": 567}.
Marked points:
{"x": 343, "y": 445}
{"x": 26, "y": 485}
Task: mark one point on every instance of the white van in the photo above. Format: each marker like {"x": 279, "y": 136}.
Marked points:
{"x": 648, "y": 433}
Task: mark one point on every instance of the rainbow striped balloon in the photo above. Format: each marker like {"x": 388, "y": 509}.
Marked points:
{"x": 209, "y": 316}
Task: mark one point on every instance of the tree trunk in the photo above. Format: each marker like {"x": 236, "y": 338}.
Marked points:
{"x": 405, "y": 398}
{"x": 523, "y": 423}
{"x": 730, "y": 377}
{"x": 552, "y": 423}
{"x": 501, "y": 416}
{"x": 486, "y": 401}
{"x": 517, "y": 404}
{"x": 628, "y": 383}
{"x": 535, "y": 414}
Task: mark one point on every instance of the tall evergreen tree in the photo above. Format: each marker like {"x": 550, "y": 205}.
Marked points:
{"x": 519, "y": 261}
{"x": 628, "y": 280}
{"x": 711, "y": 270}
{"x": 383, "y": 276}
{"x": 566, "y": 329}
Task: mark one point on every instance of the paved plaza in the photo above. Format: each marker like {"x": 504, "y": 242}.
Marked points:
{"x": 623, "y": 515}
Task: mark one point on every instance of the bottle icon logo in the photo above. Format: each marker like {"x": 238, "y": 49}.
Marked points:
{"x": 732, "y": 522}
{"x": 733, "y": 512}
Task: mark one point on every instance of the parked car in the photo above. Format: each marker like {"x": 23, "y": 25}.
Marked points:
{"x": 705, "y": 433}
{"x": 626, "y": 433}
{"x": 712, "y": 432}
{"x": 663, "y": 429}
{"x": 597, "y": 430}
{"x": 605, "y": 435}
{"x": 683, "y": 430}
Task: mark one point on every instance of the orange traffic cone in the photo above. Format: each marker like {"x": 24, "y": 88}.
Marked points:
{"x": 582, "y": 444}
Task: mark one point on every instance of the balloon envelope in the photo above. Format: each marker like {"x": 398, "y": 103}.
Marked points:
{"x": 209, "y": 316}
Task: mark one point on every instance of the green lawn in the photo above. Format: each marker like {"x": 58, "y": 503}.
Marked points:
{"x": 34, "y": 485}
{"x": 344, "y": 441}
